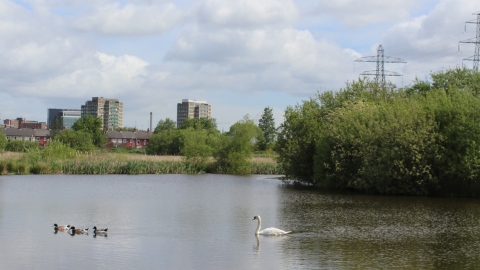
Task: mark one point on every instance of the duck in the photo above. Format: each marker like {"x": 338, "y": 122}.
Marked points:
{"x": 78, "y": 230}
{"x": 61, "y": 227}
{"x": 268, "y": 231}
{"x": 99, "y": 230}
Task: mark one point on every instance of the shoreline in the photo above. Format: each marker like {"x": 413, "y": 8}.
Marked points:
{"x": 110, "y": 163}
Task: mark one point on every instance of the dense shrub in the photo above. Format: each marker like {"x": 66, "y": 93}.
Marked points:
{"x": 417, "y": 141}
{"x": 21, "y": 146}
{"x": 3, "y": 141}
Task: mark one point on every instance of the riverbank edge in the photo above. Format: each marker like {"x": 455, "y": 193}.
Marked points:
{"x": 96, "y": 167}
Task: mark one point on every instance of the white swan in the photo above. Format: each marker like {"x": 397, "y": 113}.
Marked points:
{"x": 268, "y": 231}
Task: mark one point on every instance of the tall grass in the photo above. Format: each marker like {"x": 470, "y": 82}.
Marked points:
{"x": 64, "y": 160}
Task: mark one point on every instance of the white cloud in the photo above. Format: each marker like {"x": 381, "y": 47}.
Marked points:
{"x": 130, "y": 19}
{"x": 352, "y": 53}
{"x": 201, "y": 48}
{"x": 445, "y": 20}
{"x": 431, "y": 42}
{"x": 246, "y": 13}
{"x": 263, "y": 59}
{"x": 354, "y": 13}
{"x": 103, "y": 75}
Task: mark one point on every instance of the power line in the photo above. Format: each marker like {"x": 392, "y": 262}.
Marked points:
{"x": 422, "y": 68}
{"x": 416, "y": 48}
{"x": 476, "y": 41}
{"x": 429, "y": 44}
{"x": 380, "y": 60}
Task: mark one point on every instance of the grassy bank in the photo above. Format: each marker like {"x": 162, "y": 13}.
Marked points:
{"x": 112, "y": 163}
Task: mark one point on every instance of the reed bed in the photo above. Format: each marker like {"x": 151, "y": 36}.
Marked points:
{"x": 127, "y": 167}
{"x": 10, "y": 155}
{"x": 108, "y": 163}
{"x": 266, "y": 168}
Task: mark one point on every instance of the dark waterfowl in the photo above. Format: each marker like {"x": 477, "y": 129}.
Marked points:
{"x": 78, "y": 230}
{"x": 99, "y": 230}
{"x": 61, "y": 227}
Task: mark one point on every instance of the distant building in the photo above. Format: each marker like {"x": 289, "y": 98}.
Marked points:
{"x": 192, "y": 109}
{"x": 67, "y": 117}
{"x": 127, "y": 139}
{"x": 109, "y": 110}
{"x": 23, "y": 123}
{"x": 27, "y": 134}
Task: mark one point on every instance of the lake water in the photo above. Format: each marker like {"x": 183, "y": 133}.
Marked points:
{"x": 205, "y": 222}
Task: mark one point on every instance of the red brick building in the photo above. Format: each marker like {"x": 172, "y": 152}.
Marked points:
{"x": 23, "y": 123}
{"x": 28, "y": 134}
{"x": 127, "y": 139}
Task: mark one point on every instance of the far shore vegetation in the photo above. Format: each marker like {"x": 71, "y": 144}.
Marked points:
{"x": 196, "y": 147}
{"x": 423, "y": 139}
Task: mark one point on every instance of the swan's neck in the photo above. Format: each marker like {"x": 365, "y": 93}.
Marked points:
{"x": 259, "y": 225}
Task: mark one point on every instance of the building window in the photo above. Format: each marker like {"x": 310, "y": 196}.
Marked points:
{"x": 124, "y": 140}
{"x": 138, "y": 141}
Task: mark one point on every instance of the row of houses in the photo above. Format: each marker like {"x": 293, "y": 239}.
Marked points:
{"x": 119, "y": 139}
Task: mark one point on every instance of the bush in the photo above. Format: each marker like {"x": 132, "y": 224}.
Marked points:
{"x": 21, "y": 146}
{"x": 236, "y": 147}
{"x": 424, "y": 140}
{"x": 3, "y": 141}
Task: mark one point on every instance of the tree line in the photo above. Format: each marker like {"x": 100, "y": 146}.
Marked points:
{"x": 423, "y": 139}
{"x": 420, "y": 140}
{"x": 198, "y": 140}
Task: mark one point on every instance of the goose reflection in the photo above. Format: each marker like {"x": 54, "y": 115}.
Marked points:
{"x": 101, "y": 234}
{"x": 73, "y": 233}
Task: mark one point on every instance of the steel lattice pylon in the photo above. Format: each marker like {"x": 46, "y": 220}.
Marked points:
{"x": 475, "y": 58}
{"x": 380, "y": 59}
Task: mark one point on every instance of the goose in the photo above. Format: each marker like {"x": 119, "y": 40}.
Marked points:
{"x": 61, "y": 227}
{"x": 78, "y": 230}
{"x": 268, "y": 231}
{"x": 99, "y": 230}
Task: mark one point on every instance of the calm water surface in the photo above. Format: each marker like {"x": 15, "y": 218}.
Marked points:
{"x": 205, "y": 222}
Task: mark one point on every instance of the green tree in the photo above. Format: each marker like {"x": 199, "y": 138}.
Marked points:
{"x": 296, "y": 140}
{"x": 20, "y": 146}
{"x": 236, "y": 147}
{"x": 195, "y": 134}
{"x": 202, "y": 123}
{"x": 458, "y": 78}
{"x": 419, "y": 141}
{"x": 196, "y": 147}
{"x": 3, "y": 141}
{"x": 168, "y": 142}
{"x": 78, "y": 140}
{"x": 92, "y": 126}
{"x": 267, "y": 125}
{"x": 125, "y": 128}
{"x": 164, "y": 125}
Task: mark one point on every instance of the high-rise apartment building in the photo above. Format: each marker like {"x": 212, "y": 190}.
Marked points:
{"x": 192, "y": 109}
{"x": 67, "y": 117}
{"x": 109, "y": 110}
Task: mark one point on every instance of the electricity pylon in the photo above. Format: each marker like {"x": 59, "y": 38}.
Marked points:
{"x": 476, "y": 41}
{"x": 380, "y": 59}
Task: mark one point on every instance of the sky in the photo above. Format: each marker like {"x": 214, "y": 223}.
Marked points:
{"x": 240, "y": 56}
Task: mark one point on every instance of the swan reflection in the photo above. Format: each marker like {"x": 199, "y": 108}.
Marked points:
{"x": 258, "y": 242}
